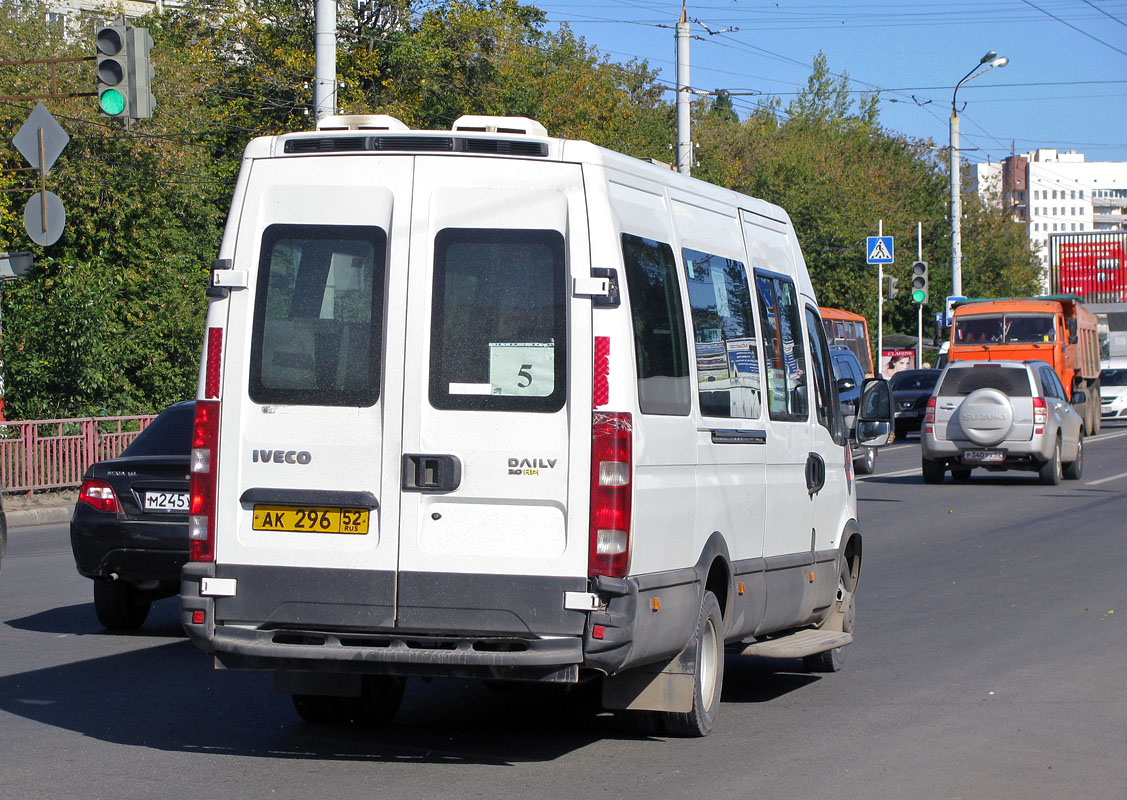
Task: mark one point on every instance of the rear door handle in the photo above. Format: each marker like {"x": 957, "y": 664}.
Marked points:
{"x": 815, "y": 473}
{"x": 431, "y": 473}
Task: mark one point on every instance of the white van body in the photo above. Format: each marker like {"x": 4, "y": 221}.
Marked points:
{"x": 432, "y": 330}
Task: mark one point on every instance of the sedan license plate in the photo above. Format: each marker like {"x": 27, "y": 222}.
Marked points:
{"x": 310, "y": 519}
{"x": 984, "y": 456}
{"x": 175, "y": 502}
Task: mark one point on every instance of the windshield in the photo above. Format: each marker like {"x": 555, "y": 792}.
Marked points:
{"x": 913, "y": 381}
{"x": 1005, "y": 328}
{"x": 1114, "y": 377}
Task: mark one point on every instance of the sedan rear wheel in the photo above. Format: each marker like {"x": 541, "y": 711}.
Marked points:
{"x": 1051, "y": 470}
{"x": 120, "y": 606}
{"x": 933, "y": 471}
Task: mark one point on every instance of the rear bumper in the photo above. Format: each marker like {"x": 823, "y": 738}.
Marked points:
{"x": 469, "y": 626}
{"x": 135, "y": 550}
{"x": 1029, "y": 454}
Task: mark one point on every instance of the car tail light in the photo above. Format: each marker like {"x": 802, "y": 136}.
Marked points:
{"x": 1040, "y": 413}
{"x": 611, "y": 478}
{"x": 100, "y": 495}
{"x": 929, "y": 417}
{"x": 204, "y": 468}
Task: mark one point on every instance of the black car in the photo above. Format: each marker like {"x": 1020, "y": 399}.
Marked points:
{"x": 129, "y": 531}
{"x": 3, "y": 532}
{"x": 849, "y": 376}
{"x": 910, "y": 390}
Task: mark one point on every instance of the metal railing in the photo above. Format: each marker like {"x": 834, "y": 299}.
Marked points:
{"x": 53, "y": 453}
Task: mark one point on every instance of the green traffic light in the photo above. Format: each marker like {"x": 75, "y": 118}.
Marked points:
{"x": 919, "y": 295}
{"x": 111, "y": 102}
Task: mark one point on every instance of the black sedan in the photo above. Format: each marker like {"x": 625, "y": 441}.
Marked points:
{"x": 910, "y": 391}
{"x": 129, "y": 531}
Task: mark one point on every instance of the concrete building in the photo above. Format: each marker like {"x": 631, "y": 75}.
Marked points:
{"x": 1053, "y": 192}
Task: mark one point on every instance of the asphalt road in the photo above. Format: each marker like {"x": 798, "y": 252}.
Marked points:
{"x": 990, "y": 662}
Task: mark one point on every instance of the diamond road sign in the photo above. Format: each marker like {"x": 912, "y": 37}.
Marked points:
{"x": 54, "y": 138}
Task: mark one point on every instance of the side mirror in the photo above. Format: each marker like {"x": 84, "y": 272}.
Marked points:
{"x": 1079, "y": 398}
{"x": 1073, "y": 328}
{"x": 874, "y": 413}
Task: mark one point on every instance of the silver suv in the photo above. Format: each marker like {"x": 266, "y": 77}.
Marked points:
{"x": 1002, "y": 415}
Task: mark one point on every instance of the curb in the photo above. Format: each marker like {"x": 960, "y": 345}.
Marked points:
{"x": 48, "y": 515}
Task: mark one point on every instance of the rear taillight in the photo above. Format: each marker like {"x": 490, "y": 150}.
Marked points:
{"x": 204, "y": 468}
{"x": 929, "y": 417}
{"x": 611, "y": 477}
{"x": 1040, "y": 412}
{"x": 100, "y": 495}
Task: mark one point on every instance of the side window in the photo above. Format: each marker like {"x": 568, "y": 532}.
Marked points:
{"x": 660, "y": 350}
{"x": 787, "y": 391}
{"x": 317, "y": 331}
{"x": 499, "y": 320}
{"x": 724, "y": 336}
{"x": 825, "y": 391}
{"x": 1052, "y": 386}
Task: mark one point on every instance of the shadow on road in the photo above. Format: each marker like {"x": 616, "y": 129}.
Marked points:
{"x": 80, "y": 620}
{"x": 168, "y": 697}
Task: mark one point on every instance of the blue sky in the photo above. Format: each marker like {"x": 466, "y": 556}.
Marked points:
{"x": 1065, "y": 86}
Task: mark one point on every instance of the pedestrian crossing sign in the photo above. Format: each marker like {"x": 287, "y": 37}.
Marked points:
{"x": 878, "y": 250}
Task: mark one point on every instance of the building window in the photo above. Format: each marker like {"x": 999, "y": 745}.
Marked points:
{"x": 1073, "y": 194}
{"x": 1081, "y": 194}
{"x": 1074, "y": 226}
{"x": 1081, "y": 226}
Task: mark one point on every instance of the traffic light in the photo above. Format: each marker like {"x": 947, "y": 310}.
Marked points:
{"x": 919, "y": 282}
{"x": 112, "y": 67}
{"x": 141, "y": 100}
{"x": 125, "y": 72}
{"x": 892, "y": 290}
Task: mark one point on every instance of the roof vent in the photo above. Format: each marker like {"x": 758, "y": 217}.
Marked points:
{"x": 361, "y": 122}
{"x": 473, "y": 123}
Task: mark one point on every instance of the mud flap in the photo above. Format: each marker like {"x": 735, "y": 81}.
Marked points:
{"x": 662, "y": 686}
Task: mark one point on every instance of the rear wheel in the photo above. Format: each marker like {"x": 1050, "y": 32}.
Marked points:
{"x": 120, "y": 606}
{"x": 933, "y": 471}
{"x": 841, "y": 619}
{"x": 1051, "y": 470}
{"x": 1074, "y": 469}
{"x": 708, "y": 674}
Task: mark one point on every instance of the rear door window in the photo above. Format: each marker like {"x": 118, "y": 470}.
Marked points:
{"x": 317, "y": 334}
{"x": 1012, "y": 381}
{"x": 499, "y": 320}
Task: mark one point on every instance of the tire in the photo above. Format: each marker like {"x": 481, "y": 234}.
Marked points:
{"x": 707, "y": 647}
{"x": 868, "y": 464}
{"x": 1050, "y": 471}
{"x": 841, "y": 619}
{"x": 379, "y": 700}
{"x": 1073, "y": 470}
{"x": 960, "y": 474}
{"x": 120, "y": 606}
{"x": 933, "y": 471}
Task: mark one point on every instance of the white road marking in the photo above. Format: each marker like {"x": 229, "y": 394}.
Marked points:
{"x": 1107, "y": 480}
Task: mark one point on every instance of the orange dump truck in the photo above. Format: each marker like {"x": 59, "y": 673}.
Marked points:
{"x": 1053, "y": 328}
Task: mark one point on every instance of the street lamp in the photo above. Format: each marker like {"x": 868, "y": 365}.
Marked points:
{"x": 987, "y": 62}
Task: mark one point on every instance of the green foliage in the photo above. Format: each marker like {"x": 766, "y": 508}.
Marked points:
{"x": 111, "y": 319}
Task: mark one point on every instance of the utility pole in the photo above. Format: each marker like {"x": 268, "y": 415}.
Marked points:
{"x": 325, "y": 54}
{"x": 684, "y": 141}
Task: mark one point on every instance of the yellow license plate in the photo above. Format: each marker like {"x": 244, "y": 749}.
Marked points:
{"x": 310, "y": 519}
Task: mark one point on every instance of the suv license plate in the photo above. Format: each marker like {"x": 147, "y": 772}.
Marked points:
{"x": 309, "y": 519}
{"x": 984, "y": 456}
{"x": 176, "y": 502}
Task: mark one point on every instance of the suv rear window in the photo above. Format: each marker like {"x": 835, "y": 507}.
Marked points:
{"x": 317, "y": 332}
{"x": 1013, "y": 381}
{"x": 170, "y": 434}
{"x": 499, "y": 320}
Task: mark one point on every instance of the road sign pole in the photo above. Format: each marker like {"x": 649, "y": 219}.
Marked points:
{"x": 42, "y": 181}
{"x": 880, "y": 307}
{"x": 919, "y": 306}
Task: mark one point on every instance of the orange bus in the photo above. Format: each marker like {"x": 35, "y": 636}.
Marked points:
{"x": 851, "y": 330}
